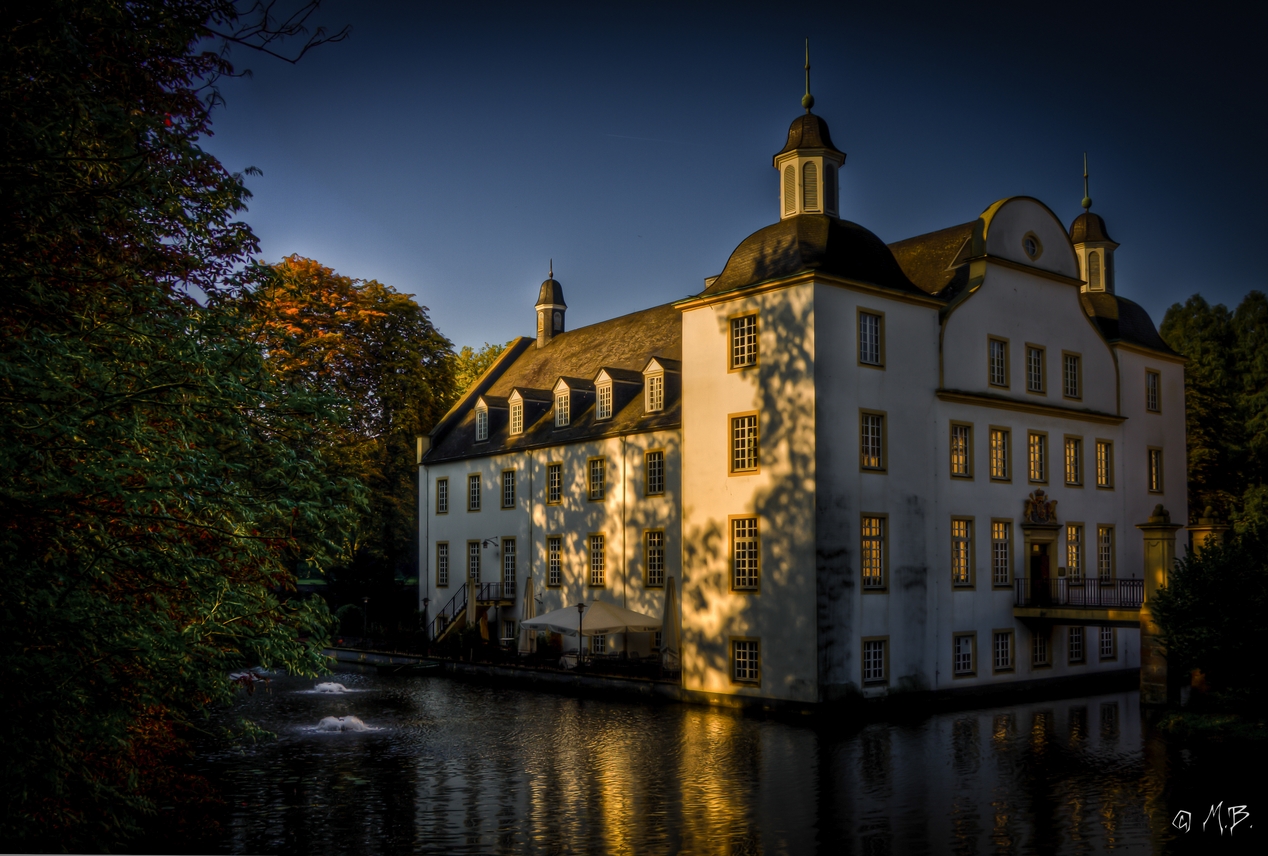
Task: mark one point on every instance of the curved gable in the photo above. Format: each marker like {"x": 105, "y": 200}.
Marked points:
{"x": 1006, "y": 225}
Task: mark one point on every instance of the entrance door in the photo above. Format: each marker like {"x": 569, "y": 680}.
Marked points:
{"x": 1040, "y": 583}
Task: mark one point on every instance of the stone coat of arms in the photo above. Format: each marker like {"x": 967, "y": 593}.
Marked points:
{"x": 1039, "y": 509}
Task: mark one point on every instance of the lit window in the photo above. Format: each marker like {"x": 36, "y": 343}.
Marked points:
{"x": 743, "y": 341}
{"x": 1105, "y": 553}
{"x": 1104, "y": 463}
{"x": 1107, "y": 643}
{"x": 961, "y": 552}
{"x": 1037, "y": 444}
{"x": 870, "y": 339}
{"x": 562, "y": 409}
{"x": 961, "y": 444}
{"x": 655, "y": 393}
{"x": 442, "y": 564}
{"x": 473, "y": 493}
{"x": 998, "y": 362}
{"x": 872, "y": 441}
{"x": 999, "y": 453}
{"x": 743, "y": 443}
{"x": 964, "y": 655}
{"x": 1001, "y": 541}
{"x": 1152, "y": 380}
{"x": 655, "y": 462}
{"x": 482, "y": 424}
{"x": 1155, "y": 470}
{"x": 1071, "y": 372}
{"x": 873, "y": 555}
{"x": 745, "y": 552}
{"x": 1076, "y": 644}
{"x": 554, "y": 560}
{"x": 1034, "y": 369}
{"x": 508, "y": 565}
{"x": 598, "y": 470}
{"x": 596, "y": 560}
{"x": 517, "y": 418}
{"x": 599, "y": 643}
{"x": 1003, "y": 651}
{"x": 473, "y": 560}
{"x": 604, "y": 407}
{"x": 1039, "y": 648}
{"x": 508, "y": 489}
{"x": 1074, "y": 552}
{"x": 655, "y": 546}
{"x": 746, "y": 660}
{"x": 442, "y": 496}
{"x": 1073, "y": 460}
{"x": 874, "y": 661}
{"x": 554, "y": 483}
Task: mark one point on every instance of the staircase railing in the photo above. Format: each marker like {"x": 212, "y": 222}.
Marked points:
{"x": 447, "y": 614}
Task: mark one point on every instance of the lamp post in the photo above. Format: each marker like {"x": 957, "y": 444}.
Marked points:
{"x": 365, "y": 620}
{"x": 581, "y": 614}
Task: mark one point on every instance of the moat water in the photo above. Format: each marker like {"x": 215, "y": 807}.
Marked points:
{"x": 393, "y": 764}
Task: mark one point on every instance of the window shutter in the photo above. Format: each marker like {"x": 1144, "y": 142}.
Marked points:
{"x": 790, "y": 190}
{"x": 810, "y": 186}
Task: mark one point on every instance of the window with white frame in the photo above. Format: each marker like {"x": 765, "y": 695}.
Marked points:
{"x": 1075, "y": 639}
{"x": 746, "y": 660}
{"x": 655, "y": 393}
{"x": 745, "y": 553}
{"x": 963, "y": 654}
{"x": 597, "y": 560}
{"x": 962, "y": 551}
{"x": 554, "y": 560}
{"x": 508, "y": 565}
{"x": 1105, "y": 553}
{"x": 508, "y": 488}
{"x": 508, "y": 630}
{"x": 473, "y": 560}
{"x": 563, "y": 413}
{"x": 873, "y": 552}
{"x": 1107, "y": 643}
{"x": 1155, "y": 470}
{"x": 657, "y": 638}
{"x": 1073, "y": 460}
{"x": 603, "y": 410}
{"x": 1074, "y": 552}
{"x": 654, "y": 552}
{"x": 442, "y": 496}
{"x": 874, "y": 661}
{"x": 961, "y": 446}
{"x": 743, "y": 341}
{"x": 482, "y": 424}
{"x": 1001, "y": 548}
{"x": 1104, "y": 463}
{"x": 654, "y": 462}
{"x": 1034, "y": 369}
{"x": 599, "y": 643}
{"x": 999, "y": 453}
{"x": 554, "y": 483}
{"x": 871, "y": 441}
{"x": 1071, "y": 375}
{"x": 870, "y": 339}
{"x": 998, "y": 362}
{"x": 743, "y": 443}
{"x": 442, "y": 564}
{"x": 517, "y": 417}
{"x": 473, "y": 492}
{"x": 598, "y": 472}
{"x": 1003, "y": 647}
{"x": 1039, "y": 648}
{"x": 1037, "y": 447}
{"x": 1152, "y": 382}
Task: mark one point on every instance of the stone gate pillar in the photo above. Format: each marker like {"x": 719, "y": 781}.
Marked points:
{"x": 1160, "y": 557}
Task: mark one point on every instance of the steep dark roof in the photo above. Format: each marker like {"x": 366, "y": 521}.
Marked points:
{"x": 627, "y": 342}
{"x": 812, "y": 242}
{"x": 1121, "y": 320}
{"x": 1089, "y": 227}
{"x": 934, "y": 261}
{"x": 808, "y": 132}
{"x": 552, "y": 292}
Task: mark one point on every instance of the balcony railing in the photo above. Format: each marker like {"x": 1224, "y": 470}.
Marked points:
{"x": 495, "y": 591}
{"x": 1081, "y": 593}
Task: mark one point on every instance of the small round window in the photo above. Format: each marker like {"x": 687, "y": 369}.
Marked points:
{"x": 1030, "y": 243}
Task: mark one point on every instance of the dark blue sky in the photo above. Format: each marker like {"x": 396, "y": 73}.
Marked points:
{"x": 451, "y": 152}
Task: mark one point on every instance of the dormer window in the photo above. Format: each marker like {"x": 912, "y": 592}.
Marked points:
{"x": 517, "y": 417}
{"x": 603, "y": 409}
{"x": 562, "y": 414}
{"x": 482, "y": 424}
{"x": 655, "y": 393}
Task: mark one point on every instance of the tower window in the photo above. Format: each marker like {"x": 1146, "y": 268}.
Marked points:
{"x": 790, "y": 189}
{"x": 810, "y": 186}
{"x": 1094, "y": 272}
{"x": 830, "y": 187}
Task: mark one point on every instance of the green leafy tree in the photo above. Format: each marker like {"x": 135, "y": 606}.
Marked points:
{"x": 470, "y": 364}
{"x": 158, "y": 482}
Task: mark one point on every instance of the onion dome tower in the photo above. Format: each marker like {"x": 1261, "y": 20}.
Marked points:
{"x": 1093, "y": 245}
{"x": 550, "y": 309}
{"x": 808, "y": 163}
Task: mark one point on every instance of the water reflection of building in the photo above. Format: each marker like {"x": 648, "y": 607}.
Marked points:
{"x": 873, "y": 469}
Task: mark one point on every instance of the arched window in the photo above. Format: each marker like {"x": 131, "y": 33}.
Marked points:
{"x": 1094, "y": 271}
{"x": 830, "y": 187}
{"x": 790, "y": 190}
{"x": 810, "y": 186}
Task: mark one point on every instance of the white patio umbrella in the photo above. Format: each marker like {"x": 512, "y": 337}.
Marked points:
{"x": 527, "y": 635}
{"x": 600, "y": 618}
{"x": 670, "y": 637}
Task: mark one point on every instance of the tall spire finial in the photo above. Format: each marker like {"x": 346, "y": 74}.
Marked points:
{"x": 1087, "y": 200}
{"x": 807, "y": 100}
{"x": 551, "y": 275}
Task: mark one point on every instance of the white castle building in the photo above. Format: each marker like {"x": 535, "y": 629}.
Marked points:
{"x": 868, "y": 469}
